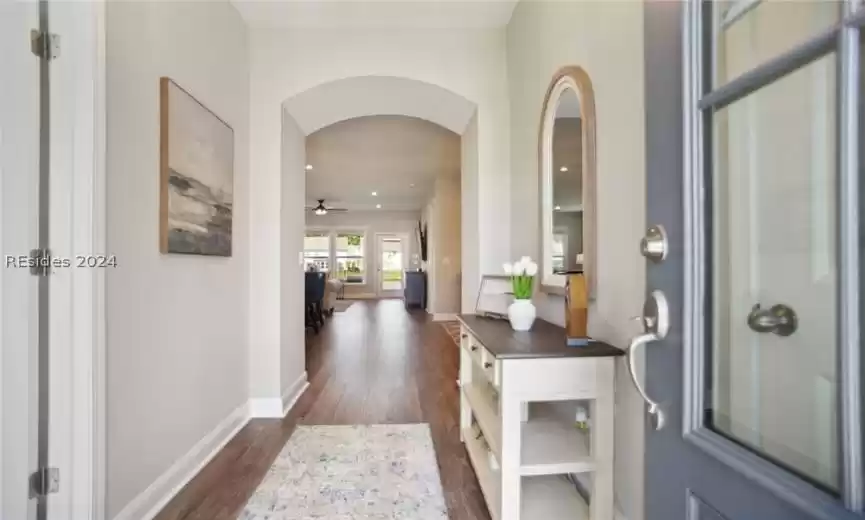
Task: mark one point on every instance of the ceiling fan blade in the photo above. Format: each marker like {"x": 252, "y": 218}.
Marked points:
{"x": 337, "y": 209}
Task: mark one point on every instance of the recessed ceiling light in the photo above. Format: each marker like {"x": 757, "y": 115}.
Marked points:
{"x": 558, "y": 208}
{"x": 308, "y": 167}
{"x": 378, "y": 206}
{"x": 563, "y": 169}
{"x": 375, "y": 194}
{"x": 411, "y": 185}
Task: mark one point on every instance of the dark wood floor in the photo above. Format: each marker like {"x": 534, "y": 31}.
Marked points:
{"x": 373, "y": 364}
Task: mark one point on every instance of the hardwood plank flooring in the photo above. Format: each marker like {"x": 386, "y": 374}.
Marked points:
{"x": 373, "y": 364}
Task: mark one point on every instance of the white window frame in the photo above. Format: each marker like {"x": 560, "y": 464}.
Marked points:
{"x": 379, "y": 264}
{"x": 330, "y": 246}
{"x": 563, "y": 232}
{"x": 364, "y": 257}
{"x": 332, "y": 233}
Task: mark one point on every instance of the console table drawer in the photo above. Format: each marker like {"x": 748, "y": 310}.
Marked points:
{"x": 471, "y": 345}
{"x": 491, "y": 367}
{"x": 483, "y": 358}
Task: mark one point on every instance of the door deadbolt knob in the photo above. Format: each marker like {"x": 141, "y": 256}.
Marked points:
{"x": 654, "y": 245}
{"x": 778, "y": 319}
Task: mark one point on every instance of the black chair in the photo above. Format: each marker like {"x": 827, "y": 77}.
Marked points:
{"x": 315, "y": 285}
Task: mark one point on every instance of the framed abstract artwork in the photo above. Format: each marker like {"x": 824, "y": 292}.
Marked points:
{"x": 196, "y": 162}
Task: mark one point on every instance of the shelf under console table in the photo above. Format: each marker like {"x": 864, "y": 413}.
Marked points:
{"x": 518, "y": 401}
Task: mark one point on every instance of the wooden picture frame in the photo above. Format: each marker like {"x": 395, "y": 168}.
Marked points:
{"x": 196, "y": 175}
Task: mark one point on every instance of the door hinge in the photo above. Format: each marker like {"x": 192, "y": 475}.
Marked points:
{"x": 44, "y": 481}
{"x": 40, "y": 262}
{"x": 45, "y": 45}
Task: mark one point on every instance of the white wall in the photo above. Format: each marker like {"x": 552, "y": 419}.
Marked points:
{"x": 285, "y": 63}
{"x": 445, "y": 237}
{"x": 370, "y": 223}
{"x": 606, "y": 39}
{"x": 177, "y": 327}
{"x": 470, "y": 217}
{"x": 291, "y": 353}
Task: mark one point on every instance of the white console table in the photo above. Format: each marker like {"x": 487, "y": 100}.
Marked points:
{"x": 519, "y": 396}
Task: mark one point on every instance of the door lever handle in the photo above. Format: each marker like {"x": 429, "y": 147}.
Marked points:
{"x": 654, "y": 408}
{"x": 656, "y": 325}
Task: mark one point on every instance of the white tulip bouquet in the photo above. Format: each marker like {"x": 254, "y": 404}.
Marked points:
{"x": 522, "y": 275}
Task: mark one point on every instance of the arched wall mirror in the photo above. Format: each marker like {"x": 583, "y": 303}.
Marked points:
{"x": 567, "y": 180}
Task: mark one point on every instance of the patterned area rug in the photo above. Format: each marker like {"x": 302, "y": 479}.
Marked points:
{"x": 381, "y": 472}
{"x": 453, "y": 329}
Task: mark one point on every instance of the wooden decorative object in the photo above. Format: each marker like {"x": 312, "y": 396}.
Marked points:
{"x": 576, "y": 309}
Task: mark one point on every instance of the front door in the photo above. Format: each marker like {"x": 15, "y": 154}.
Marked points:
{"x": 752, "y": 318}
{"x": 391, "y": 265}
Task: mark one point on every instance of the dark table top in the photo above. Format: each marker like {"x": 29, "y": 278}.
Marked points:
{"x": 544, "y": 340}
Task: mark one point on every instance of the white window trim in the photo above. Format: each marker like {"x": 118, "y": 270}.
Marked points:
{"x": 364, "y": 247}
{"x": 332, "y": 232}
{"x": 329, "y": 235}
{"x": 563, "y": 231}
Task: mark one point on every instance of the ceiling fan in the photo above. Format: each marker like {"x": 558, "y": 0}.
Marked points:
{"x": 321, "y": 209}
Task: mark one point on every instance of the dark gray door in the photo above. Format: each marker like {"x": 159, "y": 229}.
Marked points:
{"x": 752, "y": 319}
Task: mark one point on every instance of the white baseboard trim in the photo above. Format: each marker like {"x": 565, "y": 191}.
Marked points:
{"x": 444, "y": 316}
{"x": 278, "y": 407}
{"x": 290, "y": 397}
{"x": 151, "y": 501}
{"x": 265, "y": 408}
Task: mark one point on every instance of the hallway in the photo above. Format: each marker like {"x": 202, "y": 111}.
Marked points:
{"x": 372, "y": 364}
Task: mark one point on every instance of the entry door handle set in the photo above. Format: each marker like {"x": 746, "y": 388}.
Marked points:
{"x": 656, "y": 325}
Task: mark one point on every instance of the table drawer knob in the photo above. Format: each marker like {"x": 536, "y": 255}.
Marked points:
{"x": 488, "y": 365}
{"x": 474, "y": 348}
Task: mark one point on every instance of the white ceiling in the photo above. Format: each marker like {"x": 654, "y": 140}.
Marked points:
{"x": 385, "y": 154}
{"x": 349, "y": 98}
{"x": 366, "y": 13}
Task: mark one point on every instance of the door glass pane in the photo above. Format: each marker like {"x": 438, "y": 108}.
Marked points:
{"x": 749, "y": 33}
{"x": 774, "y": 229}
{"x": 391, "y": 264}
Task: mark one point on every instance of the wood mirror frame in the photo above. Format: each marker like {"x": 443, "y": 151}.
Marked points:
{"x": 575, "y": 78}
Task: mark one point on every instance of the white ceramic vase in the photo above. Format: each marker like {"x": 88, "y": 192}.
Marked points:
{"x": 521, "y": 314}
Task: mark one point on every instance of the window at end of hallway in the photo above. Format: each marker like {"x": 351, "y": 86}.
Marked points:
{"x": 350, "y": 265}
{"x": 316, "y": 251}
